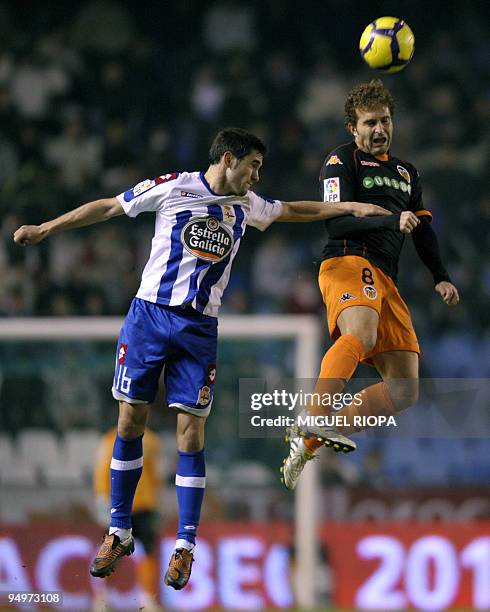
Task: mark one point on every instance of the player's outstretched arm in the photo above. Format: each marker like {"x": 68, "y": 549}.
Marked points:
{"x": 303, "y": 211}
{"x": 346, "y": 227}
{"x": 427, "y": 247}
{"x": 87, "y": 214}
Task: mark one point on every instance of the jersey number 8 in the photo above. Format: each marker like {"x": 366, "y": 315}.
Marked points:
{"x": 367, "y": 276}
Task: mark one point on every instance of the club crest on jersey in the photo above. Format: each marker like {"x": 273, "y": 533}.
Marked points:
{"x": 204, "y": 396}
{"x": 334, "y": 160}
{"x": 370, "y": 292}
{"x": 229, "y": 214}
{"x": 331, "y": 189}
{"x": 345, "y": 297}
{"x": 404, "y": 172}
{"x": 207, "y": 238}
{"x": 121, "y": 356}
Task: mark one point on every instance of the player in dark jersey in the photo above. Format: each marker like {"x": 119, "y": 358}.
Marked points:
{"x": 367, "y": 318}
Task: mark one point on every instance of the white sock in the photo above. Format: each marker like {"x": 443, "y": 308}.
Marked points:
{"x": 123, "y": 534}
{"x": 185, "y": 544}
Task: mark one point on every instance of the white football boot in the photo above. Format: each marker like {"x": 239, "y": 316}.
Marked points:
{"x": 296, "y": 460}
{"x": 298, "y": 453}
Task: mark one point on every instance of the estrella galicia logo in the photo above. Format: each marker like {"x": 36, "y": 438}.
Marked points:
{"x": 207, "y": 238}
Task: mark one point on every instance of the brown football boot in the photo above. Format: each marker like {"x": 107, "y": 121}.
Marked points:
{"x": 109, "y": 554}
{"x": 179, "y": 569}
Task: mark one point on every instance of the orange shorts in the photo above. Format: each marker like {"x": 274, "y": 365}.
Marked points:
{"x": 353, "y": 281}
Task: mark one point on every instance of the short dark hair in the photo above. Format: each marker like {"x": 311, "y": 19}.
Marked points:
{"x": 367, "y": 96}
{"x": 237, "y": 141}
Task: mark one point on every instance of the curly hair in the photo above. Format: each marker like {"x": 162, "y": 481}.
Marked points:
{"x": 367, "y": 96}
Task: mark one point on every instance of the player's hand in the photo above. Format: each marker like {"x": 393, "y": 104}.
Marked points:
{"x": 408, "y": 222}
{"x": 362, "y": 209}
{"x": 28, "y": 234}
{"x": 448, "y": 293}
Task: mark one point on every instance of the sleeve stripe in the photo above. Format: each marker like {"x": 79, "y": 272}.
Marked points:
{"x": 423, "y": 213}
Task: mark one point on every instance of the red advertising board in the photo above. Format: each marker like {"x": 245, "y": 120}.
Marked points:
{"x": 400, "y": 566}
{"x": 391, "y": 566}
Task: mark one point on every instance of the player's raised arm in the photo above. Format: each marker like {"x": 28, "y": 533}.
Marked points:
{"x": 304, "y": 211}
{"x": 87, "y": 214}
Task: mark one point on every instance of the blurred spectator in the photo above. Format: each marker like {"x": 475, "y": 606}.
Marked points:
{"x": 273, "y": 270}
{"x": 104, "y": 27}
{"x": 208, "y": 95}
{"x": 304, "y": 296}
{"x": 75, "y": 154}
{"x": 33, "y": 84}
{"x": 324, "y": 96}
{"x": 229, "y": 26}
{"x": 9, "y": 161}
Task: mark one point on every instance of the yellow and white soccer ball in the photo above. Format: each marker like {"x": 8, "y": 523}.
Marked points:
{"x": 387, "y": 44}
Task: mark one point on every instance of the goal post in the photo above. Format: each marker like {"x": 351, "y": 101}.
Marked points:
{"x": 303, "y": 330}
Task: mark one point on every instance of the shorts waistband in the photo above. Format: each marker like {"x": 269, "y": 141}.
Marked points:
{"x": 185, "y": 308}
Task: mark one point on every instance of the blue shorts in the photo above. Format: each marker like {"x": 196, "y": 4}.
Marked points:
{"x": 181, "y": 339}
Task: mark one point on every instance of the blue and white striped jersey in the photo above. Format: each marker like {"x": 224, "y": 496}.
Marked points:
{"x": 197, "y": 235}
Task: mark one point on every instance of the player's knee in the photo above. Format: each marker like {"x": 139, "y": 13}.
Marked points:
{"x": 132, "y": 420}
{"x": 367, "y": 337}
{"x": 368, "y": 340}
{"x": 404, "y": 393}
{"x": 190, "y": 432}
{"x": 126, "y": 428}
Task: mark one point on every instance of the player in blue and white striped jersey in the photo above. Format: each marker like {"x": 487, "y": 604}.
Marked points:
{"x": 200, "y": 221}
{"x": 197, "y": 235}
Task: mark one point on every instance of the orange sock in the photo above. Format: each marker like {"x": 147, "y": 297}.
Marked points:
{"x": 376, "y": 400}
{"x": 147, "y": 575}
{"x": 338, "y": 365}
{"x": 342, "y": 358}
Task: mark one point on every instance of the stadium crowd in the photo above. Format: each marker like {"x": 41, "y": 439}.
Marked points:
{"x": 93, "y": 102}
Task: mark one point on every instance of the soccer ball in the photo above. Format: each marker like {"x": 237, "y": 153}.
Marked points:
{"x": 387, "y": 44}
